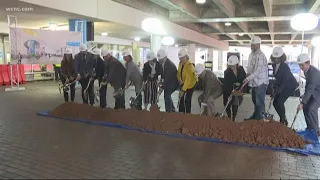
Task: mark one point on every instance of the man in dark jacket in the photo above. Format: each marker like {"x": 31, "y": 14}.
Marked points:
{"x": 285, "y": 83}
{"x": 85, "y": 68}
{"x": 169, "y": 79}
{"x": 311, "y": 99}
{"x": 115, "y": 75}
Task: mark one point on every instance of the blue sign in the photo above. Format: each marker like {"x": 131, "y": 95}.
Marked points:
{"x": 73, "y": 43}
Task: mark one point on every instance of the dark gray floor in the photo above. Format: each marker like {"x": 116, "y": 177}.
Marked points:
{"x": 32, "y": 146}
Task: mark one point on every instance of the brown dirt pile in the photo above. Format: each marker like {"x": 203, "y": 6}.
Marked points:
{"x": 261, "y": 133}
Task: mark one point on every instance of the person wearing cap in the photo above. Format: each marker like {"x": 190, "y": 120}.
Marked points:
{"x": 133, "y": 75}
{"x": 310, "y": 102}
{"x": 85, "y": 64}
{"x": 257, "y": 78}
{"x": 187, "y": 80}
{"x": 212, "y": 88}
{"x": 115, "y": 75}
{"x": 99, "y": 65}
{"x": 285, "y": 84}
{"x": 169, "y": 79}
{"x": 233, "y": 78}
{"x": 151, "y": 71}
{"x": 68, "y": 74}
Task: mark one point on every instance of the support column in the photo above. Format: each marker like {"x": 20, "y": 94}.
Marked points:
{"x": 136, "y": 52}
{"x": 115, "y": 49}
{"x": 220, "y": 60}
{"x": 192, "y": 52}
{"x": 4, "y": 57}
{"x": 155, "y": 43}
{"x": 210, "y": 59}
{"x": 81, "y": 25}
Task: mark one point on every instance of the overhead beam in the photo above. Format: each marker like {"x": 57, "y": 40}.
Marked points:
{"x": 267, "y": 4}
{"x": 312, "y": 9}
{"x": 268, "y": 40}
{"x": 235, "y": 19}
{"x": 265, "y": 32}
{"x": 187, "y": 9}
{"x": 220, "y": 28}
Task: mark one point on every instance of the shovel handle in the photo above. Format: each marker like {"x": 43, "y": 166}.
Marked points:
{"x": 295, "y": 118}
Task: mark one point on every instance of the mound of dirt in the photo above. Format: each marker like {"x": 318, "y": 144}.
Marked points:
{"x": 272, "y": 133}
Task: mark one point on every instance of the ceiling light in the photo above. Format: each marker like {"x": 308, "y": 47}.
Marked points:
{"x": 137, "y": 38}
{"x": 167, "y": 41}
{"x": 316, "y": 41}
{"x": 304, "y": 22}
{"x": 153, "y": 25}
{"x": 200, "y": 1}
{"x": 240, "y": 34}
{"x": 104, "y": 34}
{"x": 227, "y": 24}
{"x": 53, "y": 26}
{"x": 176, "y": 45}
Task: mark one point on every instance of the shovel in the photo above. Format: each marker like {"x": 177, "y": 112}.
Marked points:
{"x": 267, "y": 114}
{"x": 132, "y": 100}
{"x": 85, "y": 92}
{"x": 295, "y": 118}
{"x": 160, "y": 90}
{"x": 229, "y": 100}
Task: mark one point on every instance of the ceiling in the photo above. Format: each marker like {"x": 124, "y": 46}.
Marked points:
{"x": 269, "y": 19}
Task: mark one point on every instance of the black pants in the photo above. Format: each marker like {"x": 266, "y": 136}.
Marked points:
{"x": 72, "y": 91}
{"x": 233, "y": 105}
{"x": 120, "y": 102}
{"x": 185, "y": 101}
{"x": 103, "y": 96}
{"x": 139, "y": 101}
{"x": 278, "y": 104}
{"x": 84, "y": 83}
{"x": 57, "y": 73}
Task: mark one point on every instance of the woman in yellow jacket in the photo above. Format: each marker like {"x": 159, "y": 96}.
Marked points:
{"x": 187, "y": 79}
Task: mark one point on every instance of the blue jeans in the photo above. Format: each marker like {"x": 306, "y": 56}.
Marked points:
{"x": 168, "y": 101}
{"x": 258, "y": 99}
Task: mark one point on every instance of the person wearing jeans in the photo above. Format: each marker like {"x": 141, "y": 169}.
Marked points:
{"x": 187, "y": 79}
{"x": 169, "y": 79}
{"x": 258, "y": 78}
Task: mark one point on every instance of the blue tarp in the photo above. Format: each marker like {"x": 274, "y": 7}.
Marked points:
{"x": 310, "y": 149}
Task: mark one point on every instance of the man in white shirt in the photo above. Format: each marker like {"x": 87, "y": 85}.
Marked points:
{"x": 257, "y": 77}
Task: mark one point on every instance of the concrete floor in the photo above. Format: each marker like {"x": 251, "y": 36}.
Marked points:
{"x": 37, "y": 147}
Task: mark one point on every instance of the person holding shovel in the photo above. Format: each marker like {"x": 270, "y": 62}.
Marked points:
{"x": 285, "y": 83}
{"x": 311, "y": 99}
{"x": 151, "y": 71}
{"x": 233, "y": 78}
{"x": 115, "y": 75}
{"x": 68, "y": 74}
{"x": 187, "y": 79}
{"x": 133, "y": 75}
{"x": 212, "y": 88}
{"x": 257, "y": 78}
{"x": 85, "y": 68}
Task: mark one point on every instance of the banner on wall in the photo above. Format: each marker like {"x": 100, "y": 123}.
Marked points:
{"x": 34, "y": 46}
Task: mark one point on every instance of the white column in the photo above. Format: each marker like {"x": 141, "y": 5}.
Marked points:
{"x": 155, "y": 43}
{"x": 114, "y": 50}
{"x": 4, "y": 55}
{"x": 192, "y": 52}
{"x": 220, "y": 60}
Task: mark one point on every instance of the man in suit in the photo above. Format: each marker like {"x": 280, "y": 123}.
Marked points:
{"x": 115, "y": 76}
{"x": 212, "y": 88}
{"x": 85, "y": 68}
{"x": 169, "y": 79}
{"x": 311, "y": 99}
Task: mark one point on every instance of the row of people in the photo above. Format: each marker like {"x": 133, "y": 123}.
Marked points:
{"x": 109, "y": 70}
